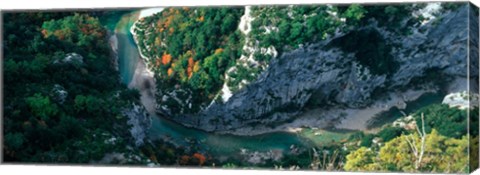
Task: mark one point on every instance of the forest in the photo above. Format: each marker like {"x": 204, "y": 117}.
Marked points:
{"x": 63, "y": 97}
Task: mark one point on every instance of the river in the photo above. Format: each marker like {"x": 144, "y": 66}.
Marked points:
{"x": 221, "y": 144}
{"x": 128, "y": 60}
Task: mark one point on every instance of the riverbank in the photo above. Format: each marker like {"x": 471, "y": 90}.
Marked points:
{"x": 113, "y": 42}
{"x": 133, "y": 71}
{"x": 144, "y": 82}
{"x": 339, "y": 118}
{"x": 353, "y": 119}
{"x": 143, "y": 78}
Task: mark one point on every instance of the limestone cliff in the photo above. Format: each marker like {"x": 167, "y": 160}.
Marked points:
{"x": 330, "y": 75}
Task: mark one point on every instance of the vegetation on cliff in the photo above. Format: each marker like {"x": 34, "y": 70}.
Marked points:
{"x": 284, "y": 28}
{"x": 190, "y": 49}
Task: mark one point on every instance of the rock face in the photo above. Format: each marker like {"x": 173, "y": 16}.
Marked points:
{"x": 330, "y": 76}
{"x": 461, "y": 100}
{"x": 442, "y": 46}
{"x": 59, "y": 94}
{"x": 72, "y": 58}
{"x": 473, "y": 52}
{"x": 140, "y": 122}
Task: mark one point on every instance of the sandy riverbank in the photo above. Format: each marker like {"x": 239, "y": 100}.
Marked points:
{"x": 143, "y": 78}
{"x": 358, "y": 118}
{"x": 143, "y": 81}
{"x": 340, "y": 118}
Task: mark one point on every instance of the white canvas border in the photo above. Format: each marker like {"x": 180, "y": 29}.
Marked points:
{"x": 88, "y": 4}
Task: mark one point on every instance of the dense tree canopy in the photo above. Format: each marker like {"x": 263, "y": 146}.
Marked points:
{"x": 450, "y": 122}
{"x": 192, "y": 49}
{"x": 81, "y": 30}
{"x": 60, "y": 86}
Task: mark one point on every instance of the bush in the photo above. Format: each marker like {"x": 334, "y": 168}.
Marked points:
{"x": 367, "y": 140}
{"x": 390, "y": 133}
{"x": 450, "y": 122}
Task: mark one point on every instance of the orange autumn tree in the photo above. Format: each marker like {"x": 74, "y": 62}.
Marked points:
{"x": 201, "y": 159}
{"x": 166, "y": 58}
{"x": 167, "y": 21}
{"x": 44, "y": 33}
{"x": 218, "y": 51}
{"x": 201, "y": 19}
{"x": 191, "y": 64}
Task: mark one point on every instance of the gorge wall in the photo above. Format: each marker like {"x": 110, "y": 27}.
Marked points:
{"x": 332, "y": 76}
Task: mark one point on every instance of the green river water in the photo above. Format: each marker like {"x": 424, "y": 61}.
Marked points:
{"x": 221, "y": 144}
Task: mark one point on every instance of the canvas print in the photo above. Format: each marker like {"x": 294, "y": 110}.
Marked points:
{"x": 317, "y": 87}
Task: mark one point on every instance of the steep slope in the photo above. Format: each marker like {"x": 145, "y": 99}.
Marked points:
{"x": 337, "y": 76}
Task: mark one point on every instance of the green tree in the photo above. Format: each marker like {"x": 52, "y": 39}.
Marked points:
{"x": 42, "y": 106}
{"x": 363, "y": 159}
{"x": 14, "y": 141}
{"x": 450, "y": 122}
{"x": 354, "y": 14}
{"x": 390, "y": 133}
{"x": 441, "y": 154}
{"x": 367, "y": 140}
{"x": 88, "y": 103}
